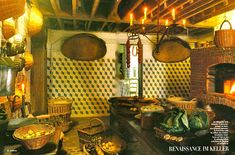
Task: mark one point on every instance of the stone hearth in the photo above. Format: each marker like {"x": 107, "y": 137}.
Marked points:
{"x": 202, "y": 82}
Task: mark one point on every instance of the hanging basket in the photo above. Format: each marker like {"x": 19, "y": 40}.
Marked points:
{"x": 8, "y": 28}
{"x": 35, "y": 21}
{"x": 225, "y": 38}
{"x": 11, "y": 8}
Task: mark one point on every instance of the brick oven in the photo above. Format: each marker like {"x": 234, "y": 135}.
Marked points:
{"x": 213, "y": 76}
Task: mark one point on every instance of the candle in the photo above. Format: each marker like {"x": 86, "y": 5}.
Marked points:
{"x": 145, "y": 13}
{"x": 173, "y": 14}
{"x": 184, "y": 22}
{"x": 131, "y": 19}
{"x": 142, "y": 21}
{"x": 166, "y": 23}
{"x": 23, "y": 89}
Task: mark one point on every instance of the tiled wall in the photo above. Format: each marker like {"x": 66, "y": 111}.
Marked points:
{"x": 88, "y": 83}
{"x": 163, "y": 79}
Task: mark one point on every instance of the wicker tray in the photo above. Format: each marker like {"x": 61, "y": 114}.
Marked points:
{"x": 184, "y": 103}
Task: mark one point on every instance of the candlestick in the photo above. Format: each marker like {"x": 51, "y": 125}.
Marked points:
{"x": 145, "y": 13}
{"x": 173, "y": 14}
{"x": 131, "y": 19}
{"x": 23, "y": 106}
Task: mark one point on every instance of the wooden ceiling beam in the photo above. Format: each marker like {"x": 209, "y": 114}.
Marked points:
{"x": 74, "y": 7}
{"x": 94, "y": 8}
{"x": 102, "y": 27}
{"x": 74, "y": 12}
{"x": 176, "y": 5}
{"x": 185, "y": 14}
{"x": 154, "y": 8}
{"x": 132, "y": 9}
{"x": 230, "y": 6}
{"x": 127, "y": 28}
{"x": 89, "y": 25}
{"x": 99, "y": 19}
{"x": 57, "y": 10}
{"x": 114, "y": 10}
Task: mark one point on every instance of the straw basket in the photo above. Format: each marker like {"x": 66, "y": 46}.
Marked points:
{"x": 11, "y": 8}
{"x": 225, "y": 38}
{"x": 60, "y": 108}
{"x": 87, "y": 130}
{"x": 35, "y": 21}
{"x": 8, "y": 28}
{"x": 183, "y": 103}
{"x": 38, "y": 141}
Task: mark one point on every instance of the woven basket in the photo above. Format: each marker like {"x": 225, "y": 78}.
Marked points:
{"x": 37, "y": 142}
{"x": 60, "y": 108}
{"x": 11, "y": 8}
{"x": 8, "y": 28}
{"x": 225, "y": 38}
{"x": 87, "y": 130}
{"x": 183, "y": 103}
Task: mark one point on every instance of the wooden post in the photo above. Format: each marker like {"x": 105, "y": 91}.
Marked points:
{"x": 39, "y": 73}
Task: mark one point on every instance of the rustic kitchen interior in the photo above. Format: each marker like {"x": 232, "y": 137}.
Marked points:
{"x": 108, "y": 77}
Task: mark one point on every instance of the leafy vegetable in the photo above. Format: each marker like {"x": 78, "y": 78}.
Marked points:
{"x": 176, "y": 121}
{"x": 198, "y": 120}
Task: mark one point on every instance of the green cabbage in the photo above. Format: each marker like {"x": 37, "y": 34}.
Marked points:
{"x": 198, "y": 120}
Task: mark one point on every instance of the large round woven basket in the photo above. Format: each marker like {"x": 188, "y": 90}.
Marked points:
{"x": 11, "y": 8}
{"x": 225, "y": 38}
{"x": 38, "y": 141}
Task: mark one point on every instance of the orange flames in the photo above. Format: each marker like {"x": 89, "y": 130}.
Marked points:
{"x": 229, "y": 87}
{"x": 232, "y": 90}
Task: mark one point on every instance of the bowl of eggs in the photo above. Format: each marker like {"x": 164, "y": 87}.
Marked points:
{"x": 34, "y": 136}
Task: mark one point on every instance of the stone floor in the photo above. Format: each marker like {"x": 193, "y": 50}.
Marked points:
{"x": 72, "y": 146}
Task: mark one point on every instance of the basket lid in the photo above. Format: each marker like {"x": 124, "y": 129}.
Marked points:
{"x": 60, "y": 100}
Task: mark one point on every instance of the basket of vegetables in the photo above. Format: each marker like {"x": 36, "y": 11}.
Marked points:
{"x": 178, "y": 126}
{"x": 34, "y": 136}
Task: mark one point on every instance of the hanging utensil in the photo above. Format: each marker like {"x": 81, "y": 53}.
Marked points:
{"x": 171, "y": 49}
{"x": 128, "y": 53}
{"x": 140, "y": 51}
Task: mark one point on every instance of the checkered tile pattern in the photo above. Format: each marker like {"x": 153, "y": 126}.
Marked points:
{"x": 163, "y": 79}
{"x": 88, "y": 83}
{"x": 91, "y": 83}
